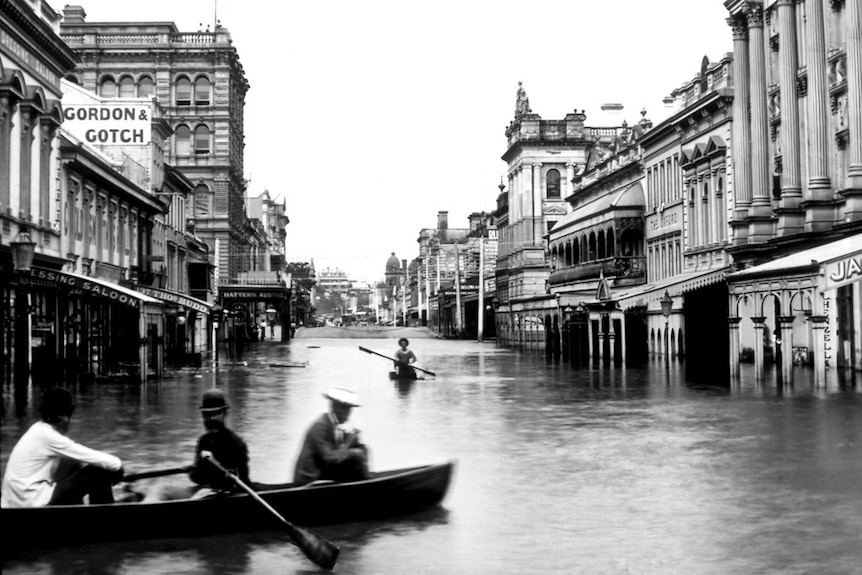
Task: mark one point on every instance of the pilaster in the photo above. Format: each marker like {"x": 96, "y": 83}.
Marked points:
{"x": 759, "y": 359}
{"x": 785, "y": 344}
{"x": 733, "y": 351}
{"x": 818, "y": 340}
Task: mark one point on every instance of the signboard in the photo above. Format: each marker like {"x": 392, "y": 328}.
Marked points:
{"x": 843, "y": 271}
{"x": 174, "y": 297}
{"x": 86, "y": 285}
{"x": 114, "y": 123}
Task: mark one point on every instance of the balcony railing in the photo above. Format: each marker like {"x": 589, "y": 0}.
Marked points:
{"x": 619, "y": 267}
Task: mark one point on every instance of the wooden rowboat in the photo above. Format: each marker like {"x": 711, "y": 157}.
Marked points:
{"x": 384, "y": 494}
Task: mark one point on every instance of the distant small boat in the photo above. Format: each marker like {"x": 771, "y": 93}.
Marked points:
{"x": 395, "y": 375}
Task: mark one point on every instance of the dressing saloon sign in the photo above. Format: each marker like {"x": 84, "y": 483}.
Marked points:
{"x": 843, "y": 271}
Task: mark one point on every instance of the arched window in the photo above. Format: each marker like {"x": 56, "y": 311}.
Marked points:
{"x": 183, "y": 141}
{"x": 202, "y": 140}
{"x": 591, "y": 250}
{"x": 202, "y": 201}
{"x": 108, "y": 88}
{"x": 202, "y": 92}
{"x": 602, "y": 248}
{"x": 127, "y": 87}
{"x": 183, "y": 91}
{"x": 552, "y": 184}
{"x": 609, "y": 245}
{"x": 146, "y": 88}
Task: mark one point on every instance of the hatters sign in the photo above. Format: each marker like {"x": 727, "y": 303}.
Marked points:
{"x": 60, "y": 279}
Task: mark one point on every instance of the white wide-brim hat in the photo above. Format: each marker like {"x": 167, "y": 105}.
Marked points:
{"x": 342, "y": 395}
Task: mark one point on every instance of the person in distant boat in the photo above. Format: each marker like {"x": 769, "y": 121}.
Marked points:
{"x": 331, "y": 450}
{"x": 404, "y": 358}
{"x": 223, "y": 444}
{"x": 47, "y": 468}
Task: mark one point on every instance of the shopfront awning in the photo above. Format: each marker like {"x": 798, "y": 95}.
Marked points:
{"x": 840, "y": 261}
{"x": 676, "y": 285}
{"x": 181, "y": 299}
{"x": 89, "y": 286}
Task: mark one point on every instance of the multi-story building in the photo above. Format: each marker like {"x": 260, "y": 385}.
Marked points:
{"x": 797, "y": 186}
{"x": 200, "y": 84}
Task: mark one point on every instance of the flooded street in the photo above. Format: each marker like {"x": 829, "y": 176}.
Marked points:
{"x": 558, "y": 470}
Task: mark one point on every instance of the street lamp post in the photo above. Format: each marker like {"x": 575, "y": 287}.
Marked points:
{"x": 217, "y": 313}
{"x": 270, "y": 318}
{"x": 666, "y": 307}
{"x": 23, "y": 252}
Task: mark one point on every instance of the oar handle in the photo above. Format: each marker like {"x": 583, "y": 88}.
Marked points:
{"x": 316, "y": 547}
{"x": 366, "y": 350}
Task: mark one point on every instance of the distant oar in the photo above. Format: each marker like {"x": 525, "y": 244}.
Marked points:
{"x": 395, "y": 360}
{"x": 316, "y": 547}
{"x": 157, "y": 473}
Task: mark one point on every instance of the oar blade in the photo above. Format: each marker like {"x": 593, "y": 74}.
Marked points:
{"x": 319, "y": 550}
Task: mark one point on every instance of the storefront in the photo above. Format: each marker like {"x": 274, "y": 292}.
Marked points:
{"x": 801, "y": 310}
{"x": 84, "y": 328}
{"x": 186, "y": 326}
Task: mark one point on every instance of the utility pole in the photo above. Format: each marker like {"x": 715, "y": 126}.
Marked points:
{"x": 458, "y": 325}
{"x": 481, "y": 329}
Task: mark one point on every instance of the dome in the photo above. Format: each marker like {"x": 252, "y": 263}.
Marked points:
{"x": 393, "y": 264}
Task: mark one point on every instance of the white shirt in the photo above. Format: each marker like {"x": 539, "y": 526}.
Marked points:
{"x": 29, "y": 477}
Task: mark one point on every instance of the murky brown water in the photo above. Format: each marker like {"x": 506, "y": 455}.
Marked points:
{"x": 559, "y": 471}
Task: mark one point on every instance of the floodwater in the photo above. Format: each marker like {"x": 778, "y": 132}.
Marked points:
{"x": 558, "y": 470}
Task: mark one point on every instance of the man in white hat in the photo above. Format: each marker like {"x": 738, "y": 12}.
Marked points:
{"x": 330, "y": 451}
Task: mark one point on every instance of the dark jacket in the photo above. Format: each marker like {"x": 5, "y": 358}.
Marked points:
{"x": 322, "y": 458}
{"x": 227, "y": 448}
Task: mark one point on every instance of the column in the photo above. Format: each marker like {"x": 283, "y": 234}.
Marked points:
{"x": 785, "y": 323}
{"x": 48, "y": 131}
{"x": 741, "y": 131}
{"x": 733, "y": 352}
{"x": 570, "y": 175}
{"x": 853, "y": 30}
{"x": 536, "y": 231}
{"x": 25, "y": 162}
{"x": 818, "y": 208}
{"x": 760, "y": 225}
{"x": 818, "y": 344}
{"x": 7, "y": 108}
{"x": 758, "y": 348}
{"x": 789, "y": 214}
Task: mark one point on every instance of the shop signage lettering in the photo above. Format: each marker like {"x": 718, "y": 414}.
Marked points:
{"x": 174, "y": 298}
{"x": 843, "y": 271}
{"x": 112, "y": 124}
{"x": 248, "y": 294}
{"x": 48, "y": 277}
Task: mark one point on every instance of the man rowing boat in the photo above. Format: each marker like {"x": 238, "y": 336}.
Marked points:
{"x": 404, "y": 358}
{"x": 47, "y": 468}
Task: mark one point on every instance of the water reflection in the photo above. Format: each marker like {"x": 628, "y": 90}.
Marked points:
{"x": 559, "y": 470}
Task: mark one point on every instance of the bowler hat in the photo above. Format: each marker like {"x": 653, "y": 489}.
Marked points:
{"x": 341, "y": 395}
{"x": 213, "y": 400}
{"x": 56, "y": 402}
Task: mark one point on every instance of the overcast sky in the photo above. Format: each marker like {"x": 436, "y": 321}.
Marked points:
{"x": 369, "y": 117}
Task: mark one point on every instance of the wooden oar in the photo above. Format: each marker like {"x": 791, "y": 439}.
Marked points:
{"x": 157, "y": 473}
{"x": 316, "y": 547}
{"x": 395, "y": 360}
